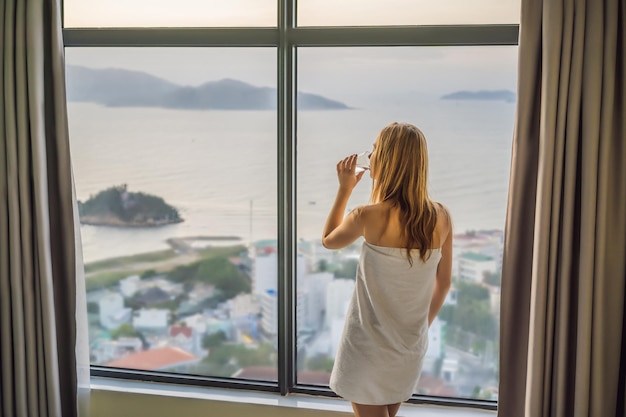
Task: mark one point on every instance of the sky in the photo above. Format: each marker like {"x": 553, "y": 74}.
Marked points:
{"x": 346, "y": 74}
{"x": 350, "y": 75}
{"x": 120, "y": 13}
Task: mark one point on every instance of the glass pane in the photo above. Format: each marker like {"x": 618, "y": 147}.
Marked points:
{"x": 174, "y": 156}
{"x": 462, "y": 98}
{"x": 160, "y": 13}
{"x": 406, "y": 12}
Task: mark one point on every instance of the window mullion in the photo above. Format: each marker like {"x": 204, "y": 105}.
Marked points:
{"x": 286, "y": 199}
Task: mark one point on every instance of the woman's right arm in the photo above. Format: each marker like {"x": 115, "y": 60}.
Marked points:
{"x": 443, "y": 279}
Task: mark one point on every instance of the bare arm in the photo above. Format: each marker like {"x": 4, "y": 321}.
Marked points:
{"x": 339, "y": 231}
{"x": 443, "y": 278}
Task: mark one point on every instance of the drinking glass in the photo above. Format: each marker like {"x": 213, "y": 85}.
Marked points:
{"x": 363, "y": 161}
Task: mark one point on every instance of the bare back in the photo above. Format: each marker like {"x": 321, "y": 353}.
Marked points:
{"x": 382, "y": 226}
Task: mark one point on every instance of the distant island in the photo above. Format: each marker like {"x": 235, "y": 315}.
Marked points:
{"x": 497, "y": 95}
{"x": 116, "y": 206}
{"x": 123, "y": 88}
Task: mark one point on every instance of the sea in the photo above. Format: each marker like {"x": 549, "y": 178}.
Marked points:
{"x": 219, "y": 168}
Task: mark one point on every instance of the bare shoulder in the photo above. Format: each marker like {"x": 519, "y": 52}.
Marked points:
{"x": 444, "y": 219}
{"x": 372, "y": 211}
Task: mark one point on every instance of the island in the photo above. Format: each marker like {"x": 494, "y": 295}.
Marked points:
{"x": 118, "y": 207}
{"x": 492, "y": 95}
{"x": 116, "y": 87}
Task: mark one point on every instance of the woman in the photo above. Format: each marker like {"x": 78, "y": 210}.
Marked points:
{"x": 403, "y": 275}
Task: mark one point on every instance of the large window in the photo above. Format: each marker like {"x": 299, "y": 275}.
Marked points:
{"x": 174, "y": 155}
{"x": 204, "y": 139}
{"x": 443, "y": 90}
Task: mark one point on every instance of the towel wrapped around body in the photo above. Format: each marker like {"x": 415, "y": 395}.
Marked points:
{"x": 385, "y": 335}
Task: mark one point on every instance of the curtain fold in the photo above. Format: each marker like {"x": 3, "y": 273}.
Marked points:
{"x": 42, "y": 308}
{"x": 564, "y": 266}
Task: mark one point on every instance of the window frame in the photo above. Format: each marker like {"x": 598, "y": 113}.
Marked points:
{"x": 287, "y": 37}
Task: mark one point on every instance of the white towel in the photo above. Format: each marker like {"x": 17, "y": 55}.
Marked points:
{"x": 385, "y": 335}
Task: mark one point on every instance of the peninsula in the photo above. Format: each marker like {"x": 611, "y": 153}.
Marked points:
{"x": 116, "y": 206}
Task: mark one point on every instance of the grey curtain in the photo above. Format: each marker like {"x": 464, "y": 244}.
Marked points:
{"x": 40, "y": 336}
{"x": 563, "y": 327}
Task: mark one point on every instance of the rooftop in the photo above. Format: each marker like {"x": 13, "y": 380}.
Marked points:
{"x": 154, "y": 359}
{"x": 477, "y": 257}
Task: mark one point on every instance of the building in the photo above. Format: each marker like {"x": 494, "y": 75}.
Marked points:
{"x": 473, "y": 266}
{"x": 112, "y": 311}
{"x": 151, "y": 320}
{"x": 269, "y": 312}
{"x": 161, "y": 359}
{"x": 338, "y": 294}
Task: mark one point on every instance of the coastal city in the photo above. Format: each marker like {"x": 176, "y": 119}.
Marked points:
{"x": 208, "y": 306}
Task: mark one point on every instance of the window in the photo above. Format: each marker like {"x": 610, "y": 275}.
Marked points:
{"x": 160, "y": 13}
{"x": 406, "y": 12}
{"x": 175, "y": 170}
{"x": 203, "y": 140}
{"x": 469, "y": 145}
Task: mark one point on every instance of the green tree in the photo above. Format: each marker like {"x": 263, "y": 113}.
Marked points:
{"x": 93, "y": 307}
{"x": 226, "y": 277}
{"x": 124, "y": 330}
{"x": 468, "y": 292}
{"x": 447, "y": 313}
{"x": 213, "y": 340}
{"x": 320, "y": 363}
{"x": 322, "y": 265}
{"x": 149, "y": 273}
{"x": 347, "y": 269}
{"x": 475, "y": 317}
{"x": 492, "y": 278}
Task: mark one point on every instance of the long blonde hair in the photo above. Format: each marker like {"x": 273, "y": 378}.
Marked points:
{"x": 400, "y": 165}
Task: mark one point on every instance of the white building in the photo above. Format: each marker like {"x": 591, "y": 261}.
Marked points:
{"x": 130, "y": 285}
{"x": 316, "y": 286}
{"x": 112, "y": 311}
{"x": 265, "y": 271}
{"x": 244, "y": 305}
{"x": 338, "y": 294}
{"x": 108, "y": 350}
{"x": 473, "y": 266}
{"x": 450, "y": 369}
{"x": 435, "y": 345}
{"x": 269, "y": 312}
{"x": 151, "y": 319}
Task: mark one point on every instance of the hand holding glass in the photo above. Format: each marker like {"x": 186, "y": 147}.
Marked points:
{"x": 363, "y": 161}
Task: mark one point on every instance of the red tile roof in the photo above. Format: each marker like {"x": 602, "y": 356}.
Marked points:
{"x": 154, "y": 359}
{"x": 176, "y": 330}
{"x": 268, "y": 373}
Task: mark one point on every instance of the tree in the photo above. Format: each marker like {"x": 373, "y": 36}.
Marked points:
{"x": 492, "y": 278}
{"x": 149, "y": 273}
{"x": 213, "y": 340}
{"x": 468, "y": 292}
{"x": 320, "y": 363}
{"x": 125, "y": 330}
{"x": 322, "y": 265}
{"x": 347, "y": 269}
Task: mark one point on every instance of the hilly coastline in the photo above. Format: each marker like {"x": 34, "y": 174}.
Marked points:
{"x": 124, "y": 88}
{"x": 492, "y": 95}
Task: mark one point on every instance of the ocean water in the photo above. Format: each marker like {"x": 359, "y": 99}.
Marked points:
{"x": 219, "y": 168}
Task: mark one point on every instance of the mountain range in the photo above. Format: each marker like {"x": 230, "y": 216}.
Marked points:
{"x": 115, "y": 87}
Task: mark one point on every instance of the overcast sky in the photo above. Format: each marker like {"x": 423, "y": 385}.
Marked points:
{"x": 94, "y": 13}
{"x": 346, "y": 74}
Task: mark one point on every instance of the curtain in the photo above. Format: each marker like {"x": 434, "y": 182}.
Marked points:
{"x": 563, "y": 327}
{"x": 44, "y": 361}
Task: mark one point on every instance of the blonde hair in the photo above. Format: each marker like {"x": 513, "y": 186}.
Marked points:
{"x": 400, "y": 162}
